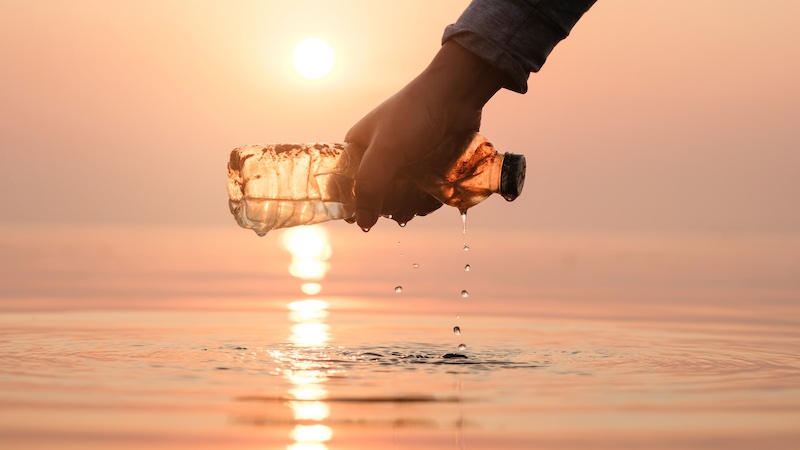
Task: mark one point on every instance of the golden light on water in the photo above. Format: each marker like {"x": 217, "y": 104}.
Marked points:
{"x": 309, "y": 437}
{"x": 311, "y": 288}
{"x": 307, "y": 242}
{"x": 308, "y": 269}
{"x": 304, "y": 311}
{"x": 307, "y": 446}
{"x": 309, "y": 329}
{"x": 307, "y": 376}
{"x": 310, "y": 410}
{"x": 309, "y": 334}
{"x": 307, "y": 392}
{"x": 310, "y": 250}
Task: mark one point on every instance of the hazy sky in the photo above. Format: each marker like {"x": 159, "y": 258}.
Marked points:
{"x": 665, "y": 115}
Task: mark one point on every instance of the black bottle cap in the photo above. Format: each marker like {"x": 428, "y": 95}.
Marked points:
{"x": 512, "y": 176}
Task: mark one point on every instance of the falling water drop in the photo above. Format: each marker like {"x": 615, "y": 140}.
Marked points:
{"x": 464, "y": 293}
{"x": 467, "y": 268}
{"x": 466, "y": 248}
{"x": 415, "y": 265}
{"x": 398, "y": 289}
{"x": 457, "y": 330}
{"x": 462, "y": 347}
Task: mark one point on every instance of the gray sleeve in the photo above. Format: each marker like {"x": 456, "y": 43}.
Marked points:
{"x": 515, "y": 35}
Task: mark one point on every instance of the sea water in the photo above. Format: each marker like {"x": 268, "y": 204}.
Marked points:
{"x": 119, "y": 338}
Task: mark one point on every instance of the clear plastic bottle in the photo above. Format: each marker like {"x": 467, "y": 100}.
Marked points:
{"x": 283, "y": 185}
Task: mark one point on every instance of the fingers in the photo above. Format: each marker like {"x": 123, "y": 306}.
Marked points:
{"x": 378, "y": 168}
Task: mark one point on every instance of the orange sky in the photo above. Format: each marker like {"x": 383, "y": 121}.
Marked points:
{"x": 653, "y": 115}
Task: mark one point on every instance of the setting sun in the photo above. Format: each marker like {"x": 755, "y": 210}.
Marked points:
{"x": 313, "y": 58}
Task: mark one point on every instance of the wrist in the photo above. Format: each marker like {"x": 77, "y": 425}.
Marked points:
{"x": 461, "y": 77}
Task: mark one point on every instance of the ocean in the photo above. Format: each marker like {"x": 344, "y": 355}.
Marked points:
{"x": 178, "y": 338}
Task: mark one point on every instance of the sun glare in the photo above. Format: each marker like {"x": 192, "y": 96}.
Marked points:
{"x": 310, "y": 251}
{"x": 313, "y": 58}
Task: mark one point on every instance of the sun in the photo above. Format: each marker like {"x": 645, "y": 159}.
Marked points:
{"x": 313, "y": 58}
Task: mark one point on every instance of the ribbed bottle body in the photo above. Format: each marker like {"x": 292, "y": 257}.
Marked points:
{"x": 283, "y": 185}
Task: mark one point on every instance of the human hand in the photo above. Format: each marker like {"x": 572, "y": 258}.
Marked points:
{"x": 446, "y": 98}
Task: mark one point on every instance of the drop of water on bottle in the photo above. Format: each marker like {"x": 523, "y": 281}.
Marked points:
{"x": 464, "y": 293}
{"x": 398, "y": 289}
{"x": 261, "y": 233}
{"x": 457, "y": 331}
{"x": 467, "y": 268}
{"x": 415, "y": 265}
{"x": 462, "y": 347}
{"x": 402, "y": 224}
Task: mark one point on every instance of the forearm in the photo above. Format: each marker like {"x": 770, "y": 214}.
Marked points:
{"x": 515, "y": 36}
{"x": 459, "y": 77}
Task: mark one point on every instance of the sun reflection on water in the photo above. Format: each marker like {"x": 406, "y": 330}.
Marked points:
{"x": 310, "y": 250}
{"x": 304, "y": 368}
{"x": 310, "y": 437}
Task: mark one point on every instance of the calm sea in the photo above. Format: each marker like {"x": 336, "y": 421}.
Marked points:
{"x": 174, "y": 338}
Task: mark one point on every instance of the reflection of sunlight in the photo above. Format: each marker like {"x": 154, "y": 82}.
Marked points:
{"x": 307, "y": 374}
{"x": 310, "y": 437}
{"x": 310, "y": 252}
{"x": 309, "y": 393}
{"x": 308, "y": 269}
{"x": 303, "y": 377}
{"x": 310, "y": 410}
{"x": 309, "y": 331}
{"x": 307, "y": 446}
{"x": 309, "y": 334}
{"x": 308, "y": 310}
{"x": 312, "y": 433}
{"x": 309, "y": 242}
{"x": 311, "y": 288}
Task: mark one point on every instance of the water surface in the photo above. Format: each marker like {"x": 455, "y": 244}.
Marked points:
{"x": 201, "y": 339}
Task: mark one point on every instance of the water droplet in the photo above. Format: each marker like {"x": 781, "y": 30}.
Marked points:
{"x": 261, "y": 233}
{"x": 467, "y": 268}
{"x": 415, "y": 265}
{"x": 402, "y": 224}
{"x": 461, "y": 347}
{"x": 398, "y": 289}
{"x": 457, "y": 331}
{"x": 466, "y": 247}
{"x": 464, "y": 293}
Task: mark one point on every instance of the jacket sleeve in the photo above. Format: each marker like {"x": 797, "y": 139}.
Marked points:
{"x": 515, "y": 35}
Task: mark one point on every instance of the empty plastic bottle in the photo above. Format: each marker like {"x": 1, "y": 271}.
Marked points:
{"x": 283, "y": 185}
